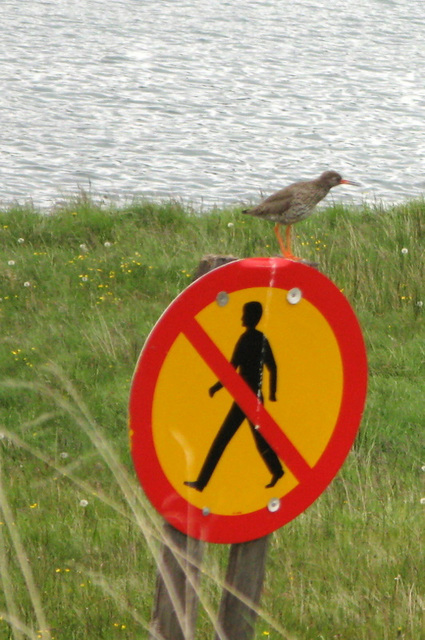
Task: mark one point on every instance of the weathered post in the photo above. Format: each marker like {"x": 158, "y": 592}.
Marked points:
{"x": 242, "y": 591}
{"x": 176, "y": 600}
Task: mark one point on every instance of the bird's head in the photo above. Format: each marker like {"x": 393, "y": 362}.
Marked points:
{"x": 333, "y": 178}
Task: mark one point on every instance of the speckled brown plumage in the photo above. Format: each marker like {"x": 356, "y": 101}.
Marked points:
{"x": 294, "y": 203}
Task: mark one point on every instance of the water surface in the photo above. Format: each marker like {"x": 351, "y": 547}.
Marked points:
{"x": 213, "y": 103}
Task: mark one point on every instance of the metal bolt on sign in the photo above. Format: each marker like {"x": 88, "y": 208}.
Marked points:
{"x": 222, "y": 298}
{"x": 294, "y": 295}
{"x": 274, "y": 505}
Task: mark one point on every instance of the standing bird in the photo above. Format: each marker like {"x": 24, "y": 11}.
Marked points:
{"x": 294, "y": 203}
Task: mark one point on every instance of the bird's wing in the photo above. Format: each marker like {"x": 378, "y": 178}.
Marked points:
{"x": 276, "y": 204}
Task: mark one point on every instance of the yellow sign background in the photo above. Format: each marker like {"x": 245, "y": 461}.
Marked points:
{"x": 309, "y": 391}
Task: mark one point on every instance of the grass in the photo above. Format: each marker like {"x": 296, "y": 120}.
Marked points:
{"x": 80, "y": 289}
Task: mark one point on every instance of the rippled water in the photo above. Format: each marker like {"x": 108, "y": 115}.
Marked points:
{"x": 212, "y": 102}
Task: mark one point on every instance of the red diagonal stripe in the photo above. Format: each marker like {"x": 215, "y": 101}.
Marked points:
{"x": 246, "y": 399}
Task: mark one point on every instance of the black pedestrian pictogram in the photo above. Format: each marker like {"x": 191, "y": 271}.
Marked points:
{"x": 252, "y": 352}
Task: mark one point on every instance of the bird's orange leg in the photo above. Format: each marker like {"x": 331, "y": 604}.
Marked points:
{"x": 288, "y": 238}
{"x": 279, "y": 238}
{"x": 285, "y": 248}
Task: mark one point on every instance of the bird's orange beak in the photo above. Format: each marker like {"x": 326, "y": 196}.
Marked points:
{"x": 355, "y": 184}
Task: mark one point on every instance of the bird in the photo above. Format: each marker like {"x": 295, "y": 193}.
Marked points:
{"x": 294, "y": 203}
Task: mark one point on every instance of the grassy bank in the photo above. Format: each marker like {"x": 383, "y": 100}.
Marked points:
{"x": 80, "y": 289}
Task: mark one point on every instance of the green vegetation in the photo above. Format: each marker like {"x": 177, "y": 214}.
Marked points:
{"x": 80, "y": 288}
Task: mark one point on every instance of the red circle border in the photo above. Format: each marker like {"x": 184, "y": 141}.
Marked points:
{"x": 241, "y": 274}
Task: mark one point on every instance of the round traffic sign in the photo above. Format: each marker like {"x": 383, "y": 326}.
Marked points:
{"x": 246, "y": 398}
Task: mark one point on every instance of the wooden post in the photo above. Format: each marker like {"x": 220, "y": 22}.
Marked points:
{"x": 242, "y": 592}
{"x": 176, "y": 600}
{"x": 210, "y": 262}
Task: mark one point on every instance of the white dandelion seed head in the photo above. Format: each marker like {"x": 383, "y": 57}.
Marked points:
{"x": 11, "y": 263}
{"x": 419, "y": 303}
{"x": 27, "y": 284}
{"x": 84, "y": 278}
{"x": 83, "y": 248}
{"x": 423, "y": 467}
{"x": 63, "y": 455}
{"x": 107, "y": 244}
{"x": 21, "y": 240}
{"x": 404, "y": 251}
{"x": 230, "y": 225}
{"x": 83, "y": 503}
{"x": 422, "y": 500}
